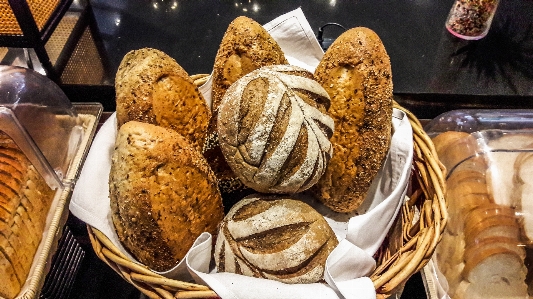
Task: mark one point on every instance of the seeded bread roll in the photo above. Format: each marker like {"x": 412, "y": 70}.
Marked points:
{"x": 25, "y": 200}
{"x": 276, "y": 238}
{"x": 356, "y": 73}
{"x": 152, "y": 87}
{"x": 163, "y": 194}
{"x": 274, "y": 130}
{"x": 245, "y": 46}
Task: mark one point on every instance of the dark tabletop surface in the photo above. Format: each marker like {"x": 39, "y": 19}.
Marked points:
{"x": 433, "y": 71}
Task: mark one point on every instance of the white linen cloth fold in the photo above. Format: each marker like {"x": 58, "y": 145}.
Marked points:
{"x": 347, "y": 267}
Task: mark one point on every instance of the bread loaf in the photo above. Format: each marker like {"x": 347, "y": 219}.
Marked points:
{"x": 274, "y": 130}
{"x": 356, "y": 73}
{"x": 152, "y": 87}
{"x": 163, "y": 194}
{"x": 277, "y": 238}
{"x": 25, "y": 200}
{"x": 245, "y": 46}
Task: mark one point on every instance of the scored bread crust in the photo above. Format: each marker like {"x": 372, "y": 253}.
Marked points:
{"x": 245, "y": 46}
{"x": 274, "y": 130}
{"x": 274, "y": 237}
{"x": 163, "y": 194}
{"x": 356, "y": 73}
{"x": 152, "y": 87}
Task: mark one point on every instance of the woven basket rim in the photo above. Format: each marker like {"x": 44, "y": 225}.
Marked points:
{"x": 422, "y": 218}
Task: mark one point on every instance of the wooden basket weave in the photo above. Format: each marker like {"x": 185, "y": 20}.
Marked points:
{"x": 408, "y": 247}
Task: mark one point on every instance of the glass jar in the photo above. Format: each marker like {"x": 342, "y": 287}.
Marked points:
{"x": 471, "y": 19}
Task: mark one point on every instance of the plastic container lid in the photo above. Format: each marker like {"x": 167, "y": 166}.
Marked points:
{"x": 40, "y": 118}
{"x": 472, "y": 120}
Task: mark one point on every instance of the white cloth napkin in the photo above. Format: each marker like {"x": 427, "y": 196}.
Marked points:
{"x": 347, "y": 267}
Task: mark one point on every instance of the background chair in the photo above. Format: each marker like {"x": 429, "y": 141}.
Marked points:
{"x": 29, "y": 24}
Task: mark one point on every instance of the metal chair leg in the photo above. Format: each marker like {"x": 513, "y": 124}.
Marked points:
{"x": 44, "y": 59}
{"x": 27, "y": 57}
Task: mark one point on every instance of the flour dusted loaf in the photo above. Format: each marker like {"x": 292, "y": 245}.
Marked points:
{"x": 356, "y": 73}
{"x": 245, "y": 46}
{"x": 274, "y": 237}
{"x": 152, "y": 87}
{"x": 25, "y": 200}
{"x": 163, "y": 194}
{"x": 274, "y": 130}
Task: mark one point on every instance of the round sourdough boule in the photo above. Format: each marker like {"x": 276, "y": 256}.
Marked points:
{"x": 152, "y": 87}
{"x": 356, "y": 73}
{"x": 274, "y": 237}
{"x": 245, "y": 46}
{"x": 163, "y": 194}
{"x": 274, "y": 130}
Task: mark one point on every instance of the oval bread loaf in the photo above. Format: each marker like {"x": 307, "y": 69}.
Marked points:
{"x": 152, "y": 87}
{"x": 245, "y": 46}
{"x": 163, "y": 194}
{"x": 356, "y": 73}
{"x": 274, "y": 130}
{"x": 276, "y": 238}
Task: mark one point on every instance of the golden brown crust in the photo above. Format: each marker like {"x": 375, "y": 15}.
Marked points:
{"x": 273, "y": 129}
{"x": 356, "y": 73}
{"x": 178, "y": 105}
{"x": 277, "y": 238}
{"x": 245, "y": 46}
{"x": 152, "y": 87}
{"x": 163, "y": 194}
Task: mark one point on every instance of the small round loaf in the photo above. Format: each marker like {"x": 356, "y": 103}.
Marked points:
{"x": 163, "y": 194}
{"x": 245, "y": 46}
{"x": 276, "y": 238}
{"x": 356, "y": 73}
{"x": 274, "y": 130}
{"x": 152, "y": 87}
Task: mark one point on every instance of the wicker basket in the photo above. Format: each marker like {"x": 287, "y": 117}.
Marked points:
{"x": 406, "y": 250}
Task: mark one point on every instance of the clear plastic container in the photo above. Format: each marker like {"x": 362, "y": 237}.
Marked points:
{"x": 40, "y": 118}
{"x": 55, "y": 135}
{"x": 471, "y": 19}
{"x": 472, "y": 120}
{"x": 487, "y": 246}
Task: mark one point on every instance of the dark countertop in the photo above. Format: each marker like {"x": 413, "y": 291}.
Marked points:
{"x": 433, "y": 72}
{"x": 431, "y": 68}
